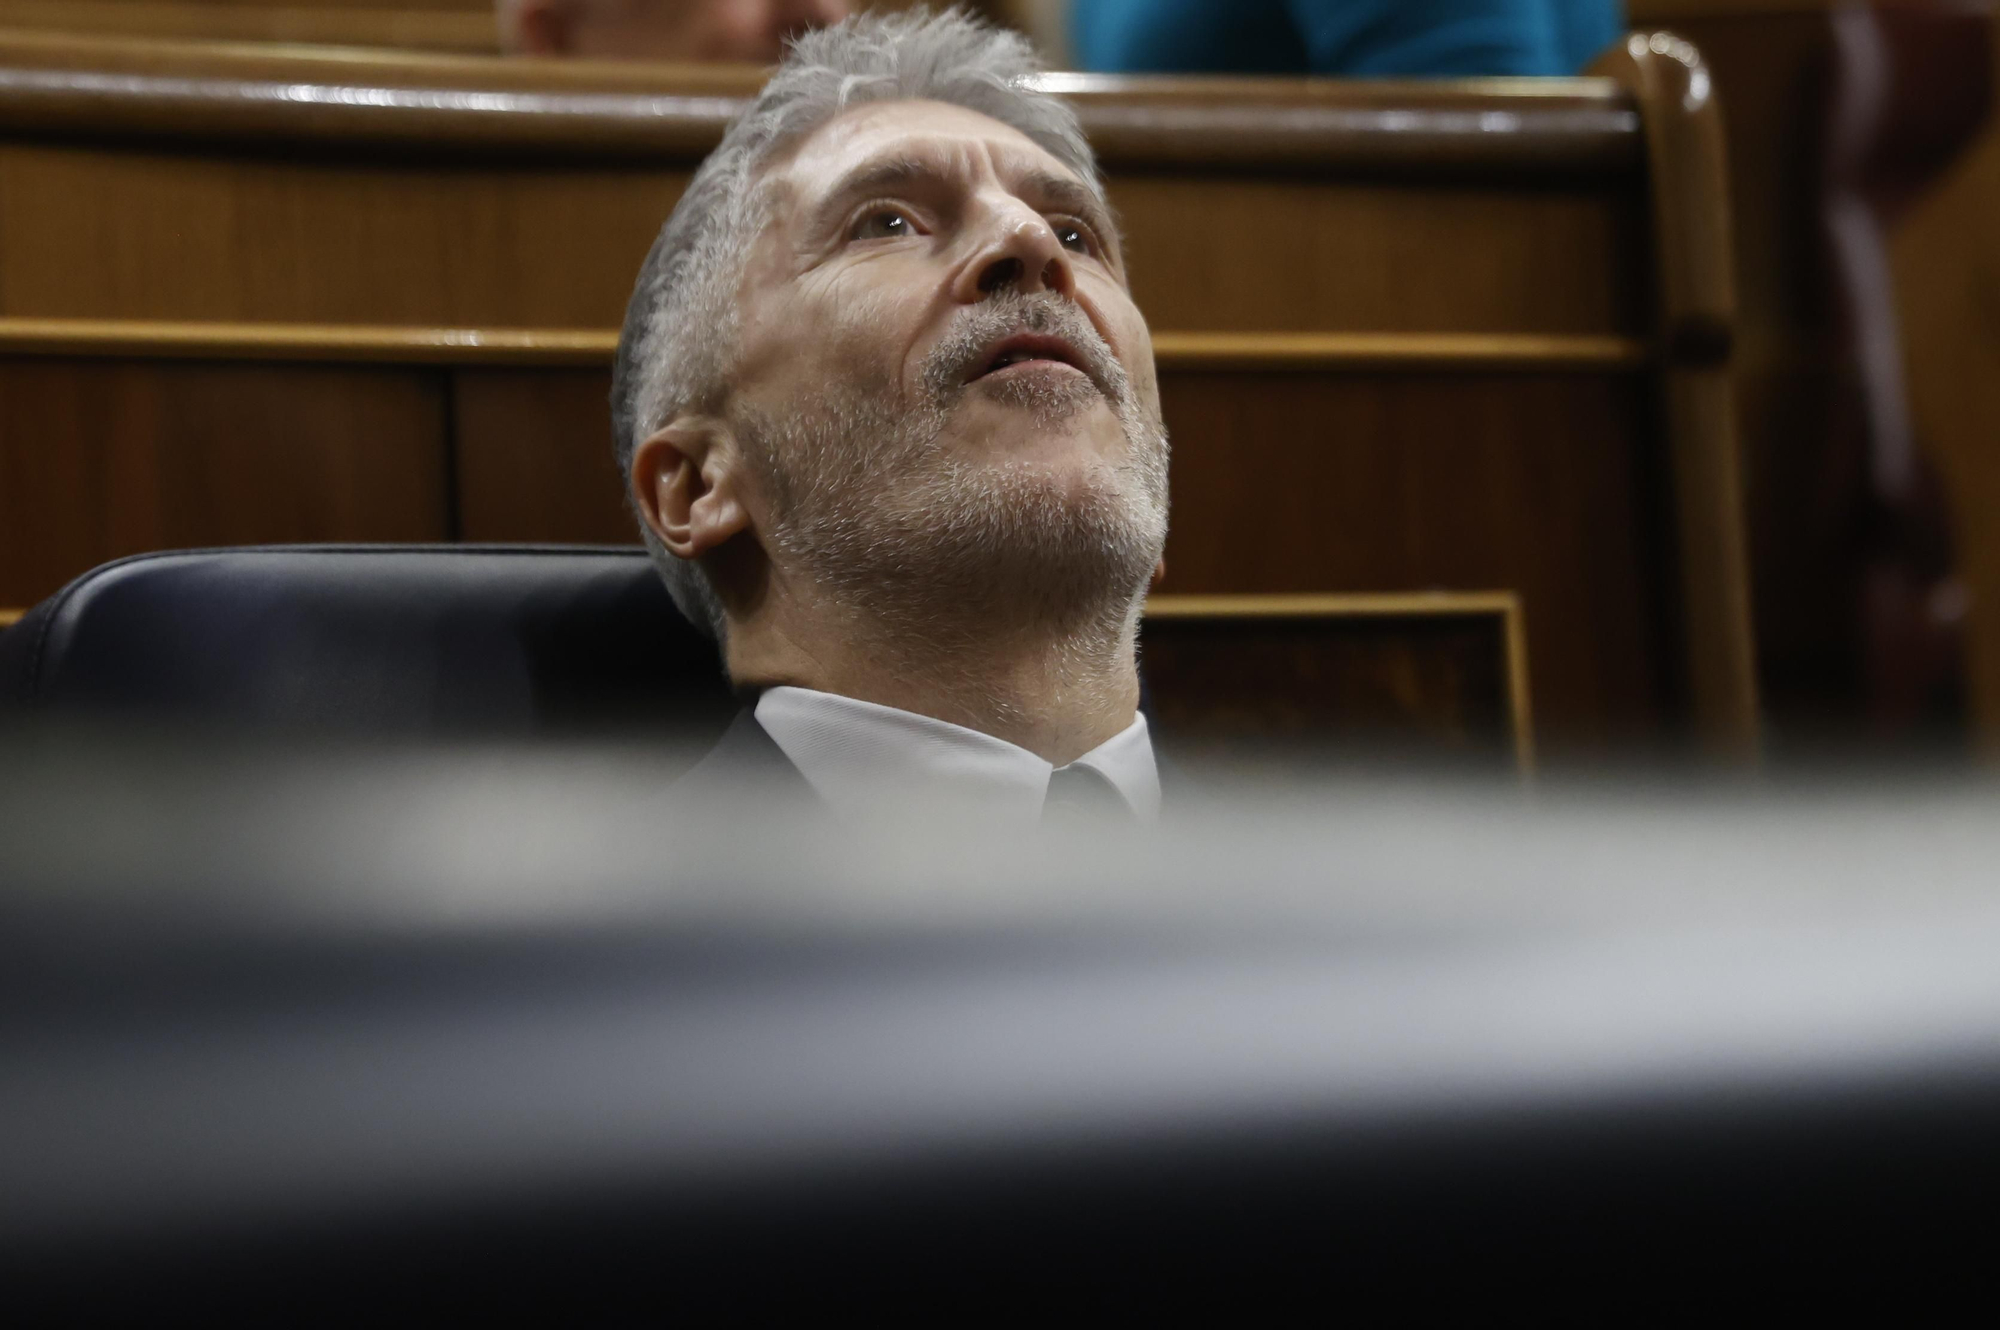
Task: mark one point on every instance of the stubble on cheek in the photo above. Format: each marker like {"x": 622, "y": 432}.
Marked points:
{"x": 868, "y": 348}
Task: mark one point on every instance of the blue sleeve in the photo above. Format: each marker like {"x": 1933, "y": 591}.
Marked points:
{"x": 1446, "y": 38}
{"x": 1185, "y": 37}
{"x": 1351, "y": 38}
{"x": 1586, "y": 28}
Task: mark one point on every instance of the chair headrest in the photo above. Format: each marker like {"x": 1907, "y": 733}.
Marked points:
{"x": 378, "y": 640}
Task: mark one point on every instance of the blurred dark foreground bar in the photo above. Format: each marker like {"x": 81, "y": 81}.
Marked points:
{"x": 316, "y": 1031}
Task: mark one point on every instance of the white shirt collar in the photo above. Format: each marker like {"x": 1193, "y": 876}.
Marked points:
{"x": 861, "y": 757}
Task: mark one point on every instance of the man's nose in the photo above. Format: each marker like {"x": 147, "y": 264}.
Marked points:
{"x": 1022, "y": 253}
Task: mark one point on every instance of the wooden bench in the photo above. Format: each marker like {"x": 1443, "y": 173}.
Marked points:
{"x": 1460, "y": 336}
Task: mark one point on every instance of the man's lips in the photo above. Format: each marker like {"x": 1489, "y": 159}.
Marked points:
{"x": 1027, "y": 348}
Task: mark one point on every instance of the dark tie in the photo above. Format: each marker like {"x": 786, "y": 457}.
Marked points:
{"x": 1080, "y": 796}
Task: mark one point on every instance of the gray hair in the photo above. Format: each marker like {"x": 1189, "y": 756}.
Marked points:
{"x": 680, "y": 328}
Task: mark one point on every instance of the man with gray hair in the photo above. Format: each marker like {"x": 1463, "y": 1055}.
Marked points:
{"x": 891, "y": 426}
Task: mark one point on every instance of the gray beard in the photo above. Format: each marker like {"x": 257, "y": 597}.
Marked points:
{"x": 952, "y": 551}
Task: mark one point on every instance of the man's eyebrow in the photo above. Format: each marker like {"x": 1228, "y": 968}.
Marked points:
{"x": 872, "y": 178}
{"x": 1047, "y": 188}
{"x": 1060, "y": 191}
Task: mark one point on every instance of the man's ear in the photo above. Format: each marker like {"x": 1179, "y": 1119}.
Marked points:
{"x": 1159, "y": 572}
{"x": 543, "y": 27}
{"x": 687, "y": 485}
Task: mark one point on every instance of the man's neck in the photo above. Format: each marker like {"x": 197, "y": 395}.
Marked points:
{"x": 1058, "y": 694}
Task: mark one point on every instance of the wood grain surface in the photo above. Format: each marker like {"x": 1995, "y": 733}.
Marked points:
{"x": 1501, "y": 634}
{"x": 103, "y": 458}
{"x": 1436, "y": 678}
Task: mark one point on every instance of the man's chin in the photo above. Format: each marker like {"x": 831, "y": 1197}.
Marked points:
{"x": 1044, "y": 393}
{"x": 1058, "y": 435}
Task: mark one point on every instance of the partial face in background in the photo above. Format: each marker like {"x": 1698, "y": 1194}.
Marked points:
{"x": 943, "y": 385}
{"x": 701, "y": 30}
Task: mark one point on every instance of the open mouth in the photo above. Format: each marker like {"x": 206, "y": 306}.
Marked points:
{"x": 1028, "y": 349}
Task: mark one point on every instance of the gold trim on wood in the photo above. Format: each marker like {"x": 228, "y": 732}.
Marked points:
{"x": 1415, "y": 351}
{"x": 1331, "y": 604}
{"x": 306, "y": 341}
{"x": 1390, "y": 604}
{"x": 8, "y": 618}
{"x": 1212, "y": 352}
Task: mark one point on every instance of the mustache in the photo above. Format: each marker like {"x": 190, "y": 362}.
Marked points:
{"x": 976, "y": 327}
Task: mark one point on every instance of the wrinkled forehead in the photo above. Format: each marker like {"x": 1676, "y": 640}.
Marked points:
{"x": 884, "y": 137}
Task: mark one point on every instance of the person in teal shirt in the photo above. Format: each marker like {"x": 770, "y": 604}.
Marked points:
{"x": 1351, "y": 38}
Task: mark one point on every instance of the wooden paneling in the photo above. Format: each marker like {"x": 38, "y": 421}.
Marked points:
{"x": 1538, "y": 484}
{"x": 100, "y": 459}
{"x": 534, "y": 457}
{"x": 1291, "y": 254}
{"x": 120, "y": 233}
{"x": 1440, "y": 676}
{"x": 487, "y": 245}
{"x": 1336, "y": 241}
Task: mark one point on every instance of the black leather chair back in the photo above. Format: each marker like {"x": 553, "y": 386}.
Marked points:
{"x": 379, "y": 640}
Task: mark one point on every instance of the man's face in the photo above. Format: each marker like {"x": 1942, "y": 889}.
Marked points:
{"x": 940, "y": 367}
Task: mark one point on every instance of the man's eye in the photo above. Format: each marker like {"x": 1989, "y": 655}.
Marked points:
{"x": 1071, "y": 235}
{"x": 883, "y": 224}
